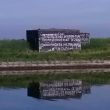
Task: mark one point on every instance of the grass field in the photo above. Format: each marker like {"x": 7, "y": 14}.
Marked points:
{"x": 15, "y": 50}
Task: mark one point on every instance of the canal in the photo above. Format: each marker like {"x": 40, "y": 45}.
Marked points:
{"x": 56, "y": 95}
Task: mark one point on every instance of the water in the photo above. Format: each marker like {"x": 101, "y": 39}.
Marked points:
{"x": 98, "y": 98}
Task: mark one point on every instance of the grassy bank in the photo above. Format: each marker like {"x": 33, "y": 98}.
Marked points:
{"x": 23, "y": 81}
{"x": 14, "y": 50}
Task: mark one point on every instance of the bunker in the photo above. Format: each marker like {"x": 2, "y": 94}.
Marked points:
{"x": 45, "y": 40}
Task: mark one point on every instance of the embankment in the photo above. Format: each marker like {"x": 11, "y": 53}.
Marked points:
{"x": 96, "y": 65}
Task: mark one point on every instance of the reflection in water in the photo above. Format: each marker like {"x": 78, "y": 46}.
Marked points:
{"x": 58, "y": 89}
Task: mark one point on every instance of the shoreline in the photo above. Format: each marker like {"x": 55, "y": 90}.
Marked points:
{"x": 54, "y": 65}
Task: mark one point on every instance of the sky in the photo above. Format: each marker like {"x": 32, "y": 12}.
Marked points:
{"x": 17, "y": 16}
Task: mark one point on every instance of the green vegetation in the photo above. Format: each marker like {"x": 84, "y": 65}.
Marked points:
{"x": 23, "y": 80}
{"x": 14, "y": 50}
{"x": 18, "y": 50}
{"x": 98, "y": 44}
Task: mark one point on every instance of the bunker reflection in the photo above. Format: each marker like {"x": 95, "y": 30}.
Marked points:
{"x": 58, "y": 89}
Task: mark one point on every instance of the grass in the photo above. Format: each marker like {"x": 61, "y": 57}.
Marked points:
{"x": 23, "y": 80}
{"x": 15, "y": 50}
{"x": 18, "y": 50}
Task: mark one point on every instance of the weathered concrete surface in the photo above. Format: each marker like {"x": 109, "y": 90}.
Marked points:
{"x": 61, "y": 71}
{"x": 35, "y": 67}
{"x": 53, "y": 63}
{"x": 55, "y": 67}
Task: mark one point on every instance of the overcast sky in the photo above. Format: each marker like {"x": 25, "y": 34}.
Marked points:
{"x": 16, "y": 16}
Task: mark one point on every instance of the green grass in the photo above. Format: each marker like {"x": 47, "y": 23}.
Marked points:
{"x": 15, "y": 50}
{"x": 24, "y": 80}
{"x": 98, "y": 44}
{"x": 13, "y": 45}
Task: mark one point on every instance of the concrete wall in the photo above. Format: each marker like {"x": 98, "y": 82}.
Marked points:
{"x": 85, "y": 38}
{"x": 59, "y": 42}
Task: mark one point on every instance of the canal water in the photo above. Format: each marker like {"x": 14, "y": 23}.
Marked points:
{"x": 47, "y": 96}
